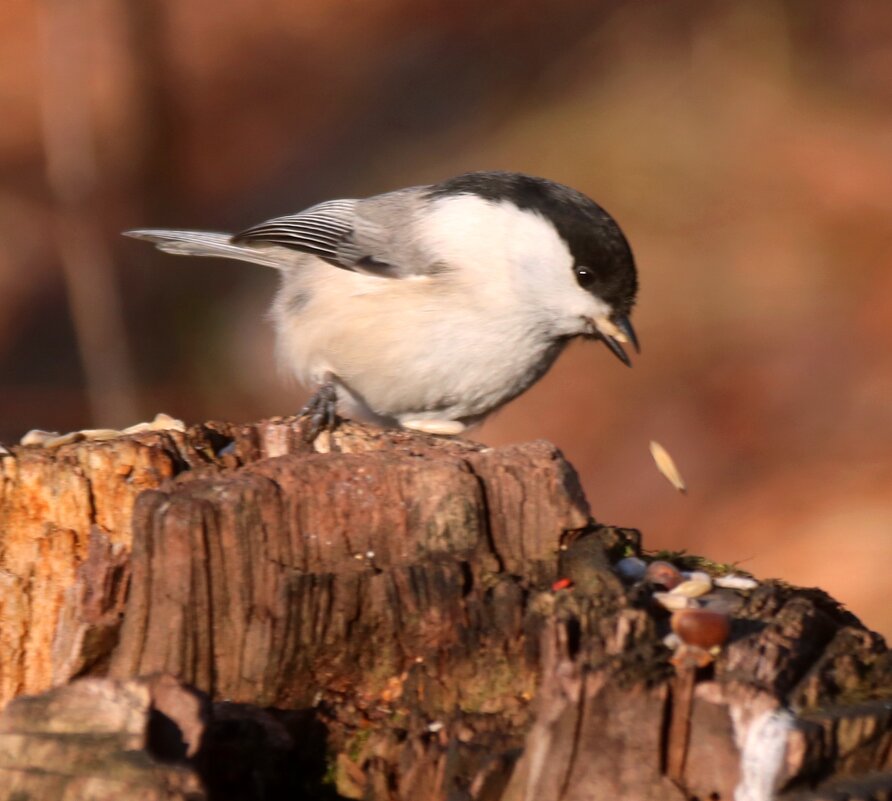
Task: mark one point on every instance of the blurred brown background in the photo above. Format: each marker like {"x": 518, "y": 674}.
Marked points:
{"x": 745, "y": 147}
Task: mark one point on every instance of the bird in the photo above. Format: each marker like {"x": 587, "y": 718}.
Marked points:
{"x": 428, "y": 308}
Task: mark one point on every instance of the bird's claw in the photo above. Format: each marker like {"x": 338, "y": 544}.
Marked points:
{"x": 320, "y": 413}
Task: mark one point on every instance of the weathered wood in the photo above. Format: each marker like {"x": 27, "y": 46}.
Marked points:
{"x": 60, "y": 505}
{"x": 93, "y": 740}
{"x": 304, "y": 573}
{"x": 378, "y": 615}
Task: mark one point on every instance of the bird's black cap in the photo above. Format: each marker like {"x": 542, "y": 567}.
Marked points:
{"x": 592, "y": 235}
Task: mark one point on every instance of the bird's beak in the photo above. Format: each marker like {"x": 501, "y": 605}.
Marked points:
{"x": 613, "y": 333}
{"x": 616, "y": 348}
{"x": 625, "y": 326}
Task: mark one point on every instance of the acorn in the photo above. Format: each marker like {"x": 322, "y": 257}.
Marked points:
{"x": 664, "y": 574}
{"x": 702, "y": 627}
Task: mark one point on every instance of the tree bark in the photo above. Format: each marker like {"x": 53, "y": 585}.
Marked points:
{"x": 377, "y": 617}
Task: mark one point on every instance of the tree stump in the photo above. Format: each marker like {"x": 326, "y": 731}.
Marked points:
{"x": 377, "y": 617}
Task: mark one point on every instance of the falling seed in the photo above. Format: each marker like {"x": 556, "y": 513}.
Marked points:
{"x": 735, "y": 582}
{"x": 666, "y": 465}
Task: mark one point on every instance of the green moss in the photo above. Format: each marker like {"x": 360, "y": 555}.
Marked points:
{"x": 497, "y": 680}
{"x": 356, "y": 744}
{"x": 685, "y": 561}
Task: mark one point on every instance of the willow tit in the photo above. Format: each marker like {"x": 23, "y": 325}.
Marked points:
{"x": 430, "y": 307}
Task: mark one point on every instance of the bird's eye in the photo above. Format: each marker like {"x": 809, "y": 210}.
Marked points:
{"x": 584, "y": 276}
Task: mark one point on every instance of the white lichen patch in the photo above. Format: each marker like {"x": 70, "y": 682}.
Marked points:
{"x": 763, "y": 749}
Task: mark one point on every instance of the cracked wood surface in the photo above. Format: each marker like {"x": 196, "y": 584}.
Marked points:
{"x": 374, "y": 617}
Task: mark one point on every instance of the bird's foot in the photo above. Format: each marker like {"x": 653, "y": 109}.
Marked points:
{"x": 321, "y": 412}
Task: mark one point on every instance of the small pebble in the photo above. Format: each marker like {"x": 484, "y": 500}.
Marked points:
{"x": 672, "y": 602}
{"x": 701, "y": 627}
{"x": 735, "y": 582}
{"x": 631, "y": 568}
{"x": 663, "y": 573}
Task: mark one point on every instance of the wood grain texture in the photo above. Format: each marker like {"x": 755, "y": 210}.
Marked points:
{"x": 379, "y": 617}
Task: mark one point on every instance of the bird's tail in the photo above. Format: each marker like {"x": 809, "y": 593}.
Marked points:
{"x": 207, "y": 243}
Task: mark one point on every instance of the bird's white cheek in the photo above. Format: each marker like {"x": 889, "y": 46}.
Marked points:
{"x": 578, "y": 312}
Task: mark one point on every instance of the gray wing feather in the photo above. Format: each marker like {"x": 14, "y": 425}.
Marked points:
{"x": 317, "y": 230}
{"x": 206, "y": 243}
{"x": 375, "y": 235}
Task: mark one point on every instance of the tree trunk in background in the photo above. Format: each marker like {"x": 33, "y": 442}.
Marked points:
{"x": 379, "y": 620}
{"x": 73, "y": 180}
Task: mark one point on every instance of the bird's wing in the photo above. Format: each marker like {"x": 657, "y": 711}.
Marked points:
{"x": 367, "y": 236}
{"x": 318, "y": 230}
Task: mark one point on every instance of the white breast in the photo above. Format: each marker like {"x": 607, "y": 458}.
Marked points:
{"x": 455, "y": 344}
